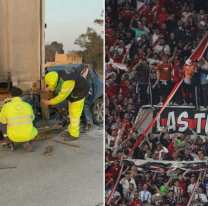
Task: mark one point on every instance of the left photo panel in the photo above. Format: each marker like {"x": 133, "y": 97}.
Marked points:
{"x": 51, "y": 102}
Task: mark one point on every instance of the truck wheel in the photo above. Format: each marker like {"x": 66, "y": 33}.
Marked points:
{"x": 97, "y": 112}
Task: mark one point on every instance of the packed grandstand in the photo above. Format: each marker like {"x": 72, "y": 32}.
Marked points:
{"x": 156, "y": 114}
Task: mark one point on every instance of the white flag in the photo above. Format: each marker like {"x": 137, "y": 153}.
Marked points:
{"x": 115, "y": 65}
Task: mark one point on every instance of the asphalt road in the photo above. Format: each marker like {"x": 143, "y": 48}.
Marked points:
{"x": 71, "y": 177}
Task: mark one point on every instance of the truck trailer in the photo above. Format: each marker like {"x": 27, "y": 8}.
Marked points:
{"x": 22, "y": 40}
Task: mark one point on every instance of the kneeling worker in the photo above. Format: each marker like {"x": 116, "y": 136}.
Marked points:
{"x": 18, "y": 118}
{"x": 73, "y": 87}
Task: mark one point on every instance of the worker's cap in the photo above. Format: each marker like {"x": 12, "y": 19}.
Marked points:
{"x": 201, "y": 60}
{"x": 154, "y": 64}
{"x": 158, "y": 195}
{"x": 195, "y": 60}
{"x": 16, "y": 92}
{"x": 51, "y": 79}
{"x": 176, "y": 61}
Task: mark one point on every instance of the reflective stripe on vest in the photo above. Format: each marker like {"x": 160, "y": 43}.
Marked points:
{"x": 66, "y": 90}
{"x": 74, "y": 125}
{"x": 20, "y": 123}
{"x": 3, "y": 121}
{"x": 21, "y": 117}
{"x": 75, "y": 120}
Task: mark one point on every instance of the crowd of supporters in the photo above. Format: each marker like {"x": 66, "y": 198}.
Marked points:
{"x": 163, "y": 187}
{"x": 153, "y": 39}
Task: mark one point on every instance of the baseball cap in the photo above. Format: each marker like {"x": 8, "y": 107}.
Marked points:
{"x": 176, "y": 61}
{"x": 158, "y": 195}
{"x": 165, "y": 57}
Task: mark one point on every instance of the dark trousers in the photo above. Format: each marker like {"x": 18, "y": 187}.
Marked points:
{"x": 187, "y": 93}
{"x": 204, "y": 92}
{"x": 3, "y": 129}
{"x": 143, "y": 93}
{"x": 155, "y": 95}
{"x": 176, "y": 96}
{"x": 164, "y": 89}
{"x": 197, "y": 94}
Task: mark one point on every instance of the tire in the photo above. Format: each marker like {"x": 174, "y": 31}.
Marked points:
{"x": 97, "y": 112}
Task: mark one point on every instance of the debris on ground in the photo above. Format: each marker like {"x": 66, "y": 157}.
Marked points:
{"x": 46, "y": 132}
{"x": 8, "y": 167}
{"x": 48, "y": 151}
{"x": 66, "y": 143}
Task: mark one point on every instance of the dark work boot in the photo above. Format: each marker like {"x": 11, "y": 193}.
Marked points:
{"x": 68, "y": 137}
{"x": 8, "y": 147}
{"x": 28, "y": 146}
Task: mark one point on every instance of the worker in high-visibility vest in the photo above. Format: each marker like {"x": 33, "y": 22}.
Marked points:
{"x": 73, "y": 87}
{"x": 18, "y": 116}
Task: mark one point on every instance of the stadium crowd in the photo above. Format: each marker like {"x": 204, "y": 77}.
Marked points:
{"x": 153, "y": 39}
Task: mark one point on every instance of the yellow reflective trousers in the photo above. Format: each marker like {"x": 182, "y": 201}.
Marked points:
{"x": 75, "y": 112}
{"x": 18, "y": 116}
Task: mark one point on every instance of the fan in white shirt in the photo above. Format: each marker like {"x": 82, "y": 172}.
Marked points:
{"x": 200, "y": 196}
{"x": 178, "y": 192}
{"x": 191, "y": 186}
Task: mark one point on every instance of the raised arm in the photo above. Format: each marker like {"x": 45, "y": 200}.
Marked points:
{"x": 167, "y": 183}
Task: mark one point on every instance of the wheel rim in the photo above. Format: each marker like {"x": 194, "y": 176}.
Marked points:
{"x": 99, "y": 112}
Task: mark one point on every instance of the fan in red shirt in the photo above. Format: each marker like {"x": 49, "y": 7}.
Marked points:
{"x": 108, "y": 30}
{"x": 115, "y": 167}
{"x": 161, "y": 18}
{"x": 156, "y": 9}
{"x": 136, "y": 200}
{"x": 115, "y": 56}
{"x": 111, "y": 88}
{"x": 124, "y": 86}
{"x": 175, "y": 78}
{"x": 148, "y": 14}
{"x": 126, "y": 122}
{"x": 112, "y": 39}
{"x": 128, "y": 14}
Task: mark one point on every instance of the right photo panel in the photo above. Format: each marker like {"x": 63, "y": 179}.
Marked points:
{"x": 156, "y": 93}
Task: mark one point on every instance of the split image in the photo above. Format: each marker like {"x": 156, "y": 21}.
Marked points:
{"x": 51, "y": 102}
{"x": 156, "y": 114}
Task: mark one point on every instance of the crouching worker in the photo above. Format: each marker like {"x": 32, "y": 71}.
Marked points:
{"x": 16, "y": 119}
{"x": 73, "y": 87}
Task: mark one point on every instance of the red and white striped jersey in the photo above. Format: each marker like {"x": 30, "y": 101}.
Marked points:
{"x": 178, "y": 192}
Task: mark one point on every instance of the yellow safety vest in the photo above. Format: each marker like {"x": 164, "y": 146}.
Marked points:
{"x": 18, "y": 116}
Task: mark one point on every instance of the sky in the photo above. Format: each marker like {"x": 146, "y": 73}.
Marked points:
{"x": 67, "y": 19}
